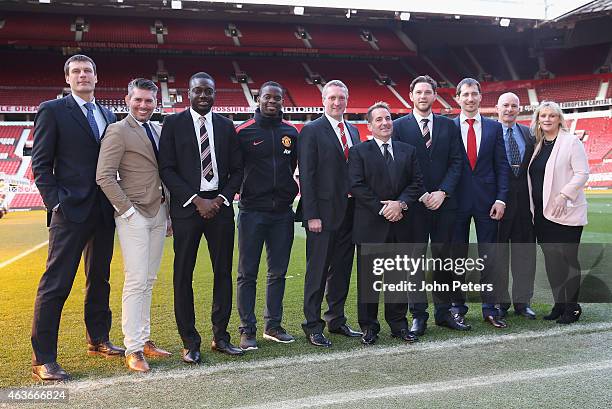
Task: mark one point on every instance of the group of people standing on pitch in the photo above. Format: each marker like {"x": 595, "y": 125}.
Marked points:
{"x": 421, "y": 179}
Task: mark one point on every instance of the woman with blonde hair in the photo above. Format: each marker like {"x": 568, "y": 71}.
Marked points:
{"x": 558, "y": 172}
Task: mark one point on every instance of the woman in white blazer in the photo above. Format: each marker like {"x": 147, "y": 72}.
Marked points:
{"x": 558, "y": 172}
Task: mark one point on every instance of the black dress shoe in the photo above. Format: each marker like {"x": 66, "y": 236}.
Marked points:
{"x": 555, "y": 313}
{"x": 192, "y": 356}
{"x": 419, "y": 325}
{"x": 453, "y": 321}
{"x": 369, "y": 337}
{"x": 226, "y": 347}
{"x": 319, "y": 340}
{"x": 405, "y": 335}
{"x": 105, "y": 349}
{"x": 526, "y": 312}
{"x": 345, "y": 330}
{"x": 495, "y": 321}
{"x": 51, "y": 372}
{"x": 572, "y": 314}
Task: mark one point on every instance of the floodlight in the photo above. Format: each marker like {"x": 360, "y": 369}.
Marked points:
{"x": 176, "y": 4}
{"x": 404, "y": 16}
{"x": 298, "y": 10}
{"x": 504, "y": 22}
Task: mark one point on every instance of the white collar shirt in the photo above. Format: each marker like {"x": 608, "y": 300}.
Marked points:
{"x": 213, "y": 184}
{"x": 98, "y": 116}
{"x": 430, "y": 123}
{"x": 477, "y": 129}
{"x": 382, "y": 149}
{"x": 334, "y": 123}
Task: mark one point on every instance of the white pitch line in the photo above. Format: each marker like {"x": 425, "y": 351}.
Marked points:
{"x": 87, "y": 385}
{"x": 434, "y": 387}
{"x": 25, "y": 253}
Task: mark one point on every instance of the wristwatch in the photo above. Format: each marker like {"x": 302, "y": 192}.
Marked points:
{"x": 403, "y": 205}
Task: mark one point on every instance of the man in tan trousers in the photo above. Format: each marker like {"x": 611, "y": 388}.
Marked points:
{"x": 130, "y": 150}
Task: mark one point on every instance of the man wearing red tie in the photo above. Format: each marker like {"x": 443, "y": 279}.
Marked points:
{"x": 481, "y": 193}
{"x": 327, "y": 214}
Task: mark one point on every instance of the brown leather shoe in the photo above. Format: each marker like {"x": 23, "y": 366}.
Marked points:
{"x": 152, "y": 351}
{"x": 495, "y": 321}
{"x": 137, "y": 362}
{"x": 105, "y": 349}
{"x": 51, "y": 372}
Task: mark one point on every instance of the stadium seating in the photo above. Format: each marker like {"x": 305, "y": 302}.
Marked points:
{"x": 27, "y": 201}
{"x": 568, "y": 89}
{"x": 581, "y": 60}
{"x": 10, "y": 166}
{"x": 599, "y": 142}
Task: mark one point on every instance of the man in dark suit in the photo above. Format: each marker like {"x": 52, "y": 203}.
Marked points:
{"x": 201, "y": 165}
{"x": 516, "y": 227}
{"x": 67, "y": 134}
{"x": 385, "y": 182}
{"x": 437, "y": 143}
{"x": 481, "y": 193}
{"x": 327, "y": 214}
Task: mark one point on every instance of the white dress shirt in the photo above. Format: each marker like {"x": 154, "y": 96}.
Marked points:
{"x": 99, "y": 117}
{"x": 430, "y": 123}
{"x": 382, "y": 149}
{"x": 465, "y": 127}
{"x": 334, "y": 123}
{"x": 213, "y": 184}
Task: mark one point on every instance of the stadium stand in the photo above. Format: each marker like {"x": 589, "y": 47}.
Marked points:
{"x": 568, "y": 89}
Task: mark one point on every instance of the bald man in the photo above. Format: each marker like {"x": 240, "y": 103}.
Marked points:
{"x": 516, "y": 227}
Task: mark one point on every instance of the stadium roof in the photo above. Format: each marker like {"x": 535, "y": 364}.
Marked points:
{"x": 524, "y": 9}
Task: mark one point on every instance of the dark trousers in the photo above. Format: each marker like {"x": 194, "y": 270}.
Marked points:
{"x": 329, "y": 262}
{"x": 486, "y": 235}
{"x": 516, "y": 251}
{"x": 67, "y": 240}
{"x": 437, "y": 226}
{"x": 255, "y": 228}
{"x": 219, "y": 234}
{"x": 367, "y": 312}
{"x": 560, "y": 244}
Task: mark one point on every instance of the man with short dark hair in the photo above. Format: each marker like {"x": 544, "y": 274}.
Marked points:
{"x": 437, "y": 142}
{"x": 269, "y": 149}
{"x": 67, "y": 134}
{"x": 201, "y": 165}
{"x": 326, "y": 211}
{"x": 130, "y": 151}
{"x": 386, "y": 182}
{"x": 516, "y": 228}
{"x": 481, "y": 194}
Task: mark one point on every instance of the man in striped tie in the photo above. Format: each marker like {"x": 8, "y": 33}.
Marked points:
{"x": 437, "y": 142}
{"x": 201, "y": 164}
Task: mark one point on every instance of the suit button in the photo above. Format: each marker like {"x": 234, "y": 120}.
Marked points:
{"x": 159, "y": 188}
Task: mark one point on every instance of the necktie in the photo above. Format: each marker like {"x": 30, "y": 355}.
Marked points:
{"x": 471, "y": 144}
{"x": 151, "y": 138}
{"x": 207, "y": 167}
{"x": 426, "y": 134}
{"x": 345, "y": 147}
{"x": 92, "y": 120}
{"x": 515, "y": 153}
{"x": 387, "y": 154}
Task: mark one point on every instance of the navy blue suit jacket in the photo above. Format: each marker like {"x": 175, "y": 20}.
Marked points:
{"x": 442, "y": 163}
{"x": 65, "y": 158}
{"x": 324, "y": 181}
{"x": 478, "y": 189}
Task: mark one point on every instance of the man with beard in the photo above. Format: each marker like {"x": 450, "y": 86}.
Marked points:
{"x": 437, "y": 142}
